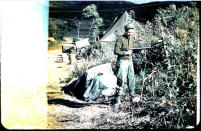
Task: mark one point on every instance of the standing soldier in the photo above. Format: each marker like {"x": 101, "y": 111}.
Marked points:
{"x": 124, "y": 62}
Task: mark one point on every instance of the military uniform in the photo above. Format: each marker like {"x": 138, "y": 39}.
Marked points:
{"x": 125, "y": 64}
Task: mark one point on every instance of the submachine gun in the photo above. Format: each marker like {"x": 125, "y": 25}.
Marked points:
{"x": 138, "y": 49}
{"x": 138, "y": 58}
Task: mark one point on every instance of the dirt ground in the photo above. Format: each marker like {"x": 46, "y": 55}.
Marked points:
{"x": 67, "y": 112}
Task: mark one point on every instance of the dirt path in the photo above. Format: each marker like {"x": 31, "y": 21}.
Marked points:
{"x": 67, "y": 112}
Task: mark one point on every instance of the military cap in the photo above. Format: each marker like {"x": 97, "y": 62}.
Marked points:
{"x": 129, "y": 26}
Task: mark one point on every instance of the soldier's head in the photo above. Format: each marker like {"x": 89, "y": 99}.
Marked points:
{"x": 129, "y": 29}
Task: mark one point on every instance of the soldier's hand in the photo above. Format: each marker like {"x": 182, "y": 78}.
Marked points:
{"x": 129, "y": 52}
{"x": 142, "y": 51}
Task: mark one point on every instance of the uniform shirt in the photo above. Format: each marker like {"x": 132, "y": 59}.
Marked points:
{"x": 122, "y": 44}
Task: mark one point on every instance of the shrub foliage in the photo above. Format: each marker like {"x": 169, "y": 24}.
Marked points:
{"x": 173, "y": 78}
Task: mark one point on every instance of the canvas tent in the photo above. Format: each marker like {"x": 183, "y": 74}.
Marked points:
{"x": 116, "y": 29}
{"x": 94, "y": 83}
{"x": 100, "y": 81}
{"x": 84, "y": 43}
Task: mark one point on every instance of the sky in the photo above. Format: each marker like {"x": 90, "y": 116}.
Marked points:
{"x": 148, "y": 1}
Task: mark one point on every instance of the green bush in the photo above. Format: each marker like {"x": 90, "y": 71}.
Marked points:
{"x": 174, "y": 64}
{"x": 57, "y": 30}
{"x": 55, "y": 43}
{"x": 91, "y": 12}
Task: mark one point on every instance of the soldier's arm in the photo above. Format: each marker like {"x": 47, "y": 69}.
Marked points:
{"x": 117, "y": 49}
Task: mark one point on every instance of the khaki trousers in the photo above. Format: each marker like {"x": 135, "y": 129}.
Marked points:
{"x": 125, "y": 70}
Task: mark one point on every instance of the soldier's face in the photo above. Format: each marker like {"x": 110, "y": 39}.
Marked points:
{"x": 129, "y": 32}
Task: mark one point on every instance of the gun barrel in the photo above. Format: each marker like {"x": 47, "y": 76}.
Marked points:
{"x": 141, "y": 48}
